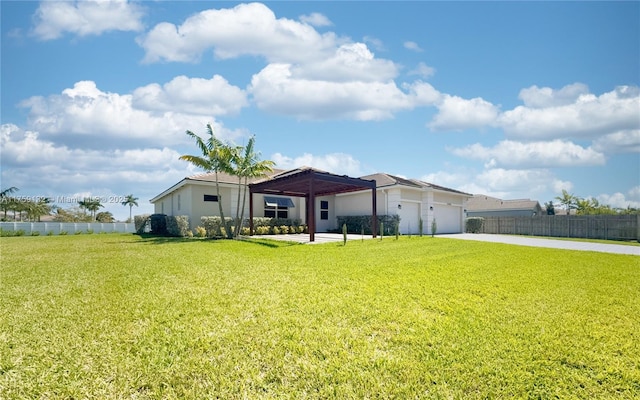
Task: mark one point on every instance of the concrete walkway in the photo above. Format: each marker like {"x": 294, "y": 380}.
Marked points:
{"x": 482, "y": 237}
{"x": 550, "y": 243}
{"x": 320, "y": 237}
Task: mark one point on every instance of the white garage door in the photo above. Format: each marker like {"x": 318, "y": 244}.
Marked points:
{"x": 409, "y": 218}
{"x": 448, "y": 219}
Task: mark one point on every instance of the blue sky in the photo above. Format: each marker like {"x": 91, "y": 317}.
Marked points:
{"x": 509, "y": 99}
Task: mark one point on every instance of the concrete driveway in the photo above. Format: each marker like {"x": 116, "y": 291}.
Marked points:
{"x": 482, "y": 237}
{"x": 550, "y": 243}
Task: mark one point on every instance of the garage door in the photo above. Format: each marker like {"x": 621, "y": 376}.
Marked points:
{"x": 409, "y": 217}
{"x": 448, "y": 219}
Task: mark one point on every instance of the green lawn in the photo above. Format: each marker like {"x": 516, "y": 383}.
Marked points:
{"x": 119, "y": 316}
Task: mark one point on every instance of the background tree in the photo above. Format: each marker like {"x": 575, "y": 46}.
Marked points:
{"x": 567, "y": 200}
{"x": 36, "y": 209}
{"x": 104, "y": 216}
{"x": 6, "y": 201}
{"x": 73, "y": 214}
{"x": 216, "y": 157}
{"x": 551, "y": 209}
{"x": 130, "y": 201}
{"x": 92, "y": 205}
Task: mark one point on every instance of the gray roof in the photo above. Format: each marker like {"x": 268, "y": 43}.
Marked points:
{"x": 382, "y": 180}
{"x": 480, "y": 202}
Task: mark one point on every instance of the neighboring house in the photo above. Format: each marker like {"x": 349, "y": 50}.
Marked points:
{"x": 411, "y": 199}
{"x": 485, "y": 206}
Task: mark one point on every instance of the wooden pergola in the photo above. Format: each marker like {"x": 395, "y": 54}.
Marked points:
{"x": 309, "y": 183}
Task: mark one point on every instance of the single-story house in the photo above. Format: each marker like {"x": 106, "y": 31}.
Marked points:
{"x": 410, "y": 199}
{"x": 486, "y": 206}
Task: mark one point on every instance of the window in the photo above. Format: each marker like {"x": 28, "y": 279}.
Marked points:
{"x": 178, "y": 202}
{"x": 324, "y": 209}
{"x": 210, "y": 197}
{"x": 277, "y": 207}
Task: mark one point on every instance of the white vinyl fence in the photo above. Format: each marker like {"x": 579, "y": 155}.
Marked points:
{"x": 71, "y": 228}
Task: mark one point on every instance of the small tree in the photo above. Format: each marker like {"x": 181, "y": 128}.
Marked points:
{"x": 420, "y": 224}
{"x": 344, "y": 234}
{"x": 551, "y": 209}
{"x": 434, "y": 227}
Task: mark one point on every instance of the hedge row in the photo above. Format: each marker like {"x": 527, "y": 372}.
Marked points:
{"x": 358, "y": 223}
{"x": 473, "y": 224}
{"x": 261, "y": 225}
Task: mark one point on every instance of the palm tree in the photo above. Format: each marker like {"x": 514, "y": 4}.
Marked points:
{"x": 248, "y": 165}
{"x": 567, "y": 199}
{"x": 92, "y": 205}
{"x": 583, "y": 206}
{"x": 130, "y": 201}
{"x": 6, "y": 202}
{"x": 35, "y": 210}
{"x": 216, "y": 157}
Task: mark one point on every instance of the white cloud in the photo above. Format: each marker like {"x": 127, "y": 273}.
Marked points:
{"x": 351, "y": 62}
{"x": 456, "y": 113}
{"x": 246, "y": 29}
{"x": 374, "y": 43}
{"x": 316, "y": 19}
{"x": 622, "y": 200}
{"x": 502, "y": 183}
{"x": 627, "y": 141}
{"x": 423, "y": 70}
{"x": 535, "y": 97}
{"x": 588, "y": 116}
{"x": 278, "y": 90}
{"x": 413, "y": 46}
{"x": 556, "y": 153}
{"x": 112, "y": 119}
{"x": 82, "y": 18}
{"x": 337, "y": 163}
{"x": 517, "y": 183}
{"x": 44, "y": 168}
{"x": 213, "y": 97}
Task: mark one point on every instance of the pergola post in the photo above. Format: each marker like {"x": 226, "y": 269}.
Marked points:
{"x": 250, "y": 211}
{"x": 311, "y": 207}
{"x": 374, "y": 212}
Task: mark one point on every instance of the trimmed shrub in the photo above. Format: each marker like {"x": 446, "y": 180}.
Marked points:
{"x": 434, "y": 227}
{"x": 158, "y": 224}
{"x": 177, "y": 225}
{"x": 262, "y": 230}
{"x": 201, "y": 231}
{"x": 140, "y": 222}
{"x": 473, "y": 224}
{"x": 214, "y": 226}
